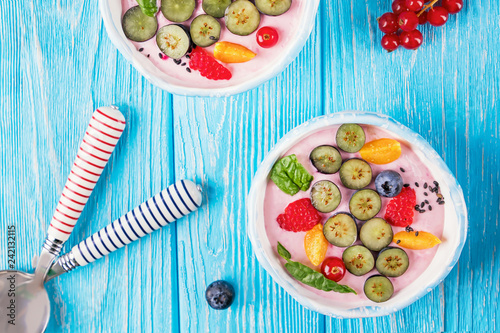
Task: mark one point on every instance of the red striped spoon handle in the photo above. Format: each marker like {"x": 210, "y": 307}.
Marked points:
{"x": 101, "y": 137}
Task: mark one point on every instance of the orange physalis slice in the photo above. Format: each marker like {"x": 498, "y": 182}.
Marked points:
{"x": 316, "y": 245}
{"x": 416, "y": 240}
{"x": 232, "y": 53}
{"x": 381, "y": 151}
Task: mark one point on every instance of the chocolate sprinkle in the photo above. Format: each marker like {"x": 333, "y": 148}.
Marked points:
{"x": 177, "y": 61}
{"x": 402, "y": 170}
{"x": 441, "y": 202}
{"x": 141, "y": 49}
{"x": 406, "y": 185}
{"x": 422, "y": 211}
{"x": 416, "y": 184}
{"x": 422, "y": 205}
{"x": 436, "y": 183}
{"x": 187, "y": 56}
{"x": 425, "y": 193}
{"x": 399, "y": 241}
{"x": 183, "y": 64}
{"x": 160, "y": 55}
{"x": 188, "y": 69}
{"x": 408, "y": 229}
{"x": 148, "y": 55}
{"x": 430, "y": 207}
{"x": 417, "y": 207}
{"x": 416, "y": 234}
{"x": 425, "y": 185}
{"x": 426, "y": 201}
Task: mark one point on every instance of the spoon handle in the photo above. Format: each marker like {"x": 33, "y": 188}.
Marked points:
{"x": 164, "y": 208}
{"x": 101, "y": 137}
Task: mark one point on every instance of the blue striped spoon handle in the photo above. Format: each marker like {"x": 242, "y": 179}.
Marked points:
{"x": 164, "y": 208}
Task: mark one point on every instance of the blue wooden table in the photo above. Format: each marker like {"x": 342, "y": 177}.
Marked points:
{"x": 57, "y": 65}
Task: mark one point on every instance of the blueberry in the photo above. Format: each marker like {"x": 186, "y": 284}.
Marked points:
{"x": 220, "y": 295}
{"x": 388, "y": 183}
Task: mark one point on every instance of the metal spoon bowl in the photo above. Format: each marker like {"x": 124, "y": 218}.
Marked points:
{"x": 24, "y": 305}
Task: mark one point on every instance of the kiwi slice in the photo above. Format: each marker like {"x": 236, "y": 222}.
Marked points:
{"x": 392, "y": 262}
{"x": 215, "y": 8}
{"x": 365, "y": 204}
{"x": 358, "y": 260}
{"x": 378, "y": 288}
{"x": 355, "y": 173}
{"x": 173, "y": 40}
{"x": 273, "y": 7}
{"x": 205, "y": 30}
{"x": 325, "y": 196}
{"x": 137, "y": 26}
{"x": 341, "y": 230}
{"x": 326, "y": 159}
{"x": 177, "y": 10}
{"x": 376, "y": 234}
{"x": 350, "y": 138}
{"x": 242, "y": 18}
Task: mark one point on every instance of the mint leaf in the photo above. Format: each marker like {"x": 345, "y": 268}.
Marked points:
{"x": 148, "y": 7}
{"x": 309, "y": 276}
{"x": 290, "y": 176}
{"x": 283, "y": 252}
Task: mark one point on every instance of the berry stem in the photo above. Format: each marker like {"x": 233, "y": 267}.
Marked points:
{"x": 429, "y": 5}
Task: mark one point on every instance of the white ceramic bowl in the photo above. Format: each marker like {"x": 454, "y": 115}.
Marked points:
{"x": 111, "y": 11}
{"x": 454, "y": 231}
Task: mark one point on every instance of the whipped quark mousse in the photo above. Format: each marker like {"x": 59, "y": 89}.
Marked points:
{"x": 265, "y": 60}
{"x": 428, "y": 210}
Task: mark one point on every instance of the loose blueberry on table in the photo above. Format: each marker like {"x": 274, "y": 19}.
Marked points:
{"x": 180, "y": 40}
{"x": 352, "y": 160}
{"x": 220, "y": 295}
{"x": 400, "y": 25}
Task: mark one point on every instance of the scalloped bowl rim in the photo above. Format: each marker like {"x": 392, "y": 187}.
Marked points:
{"x": 268, "y": 259}
{"x": 148, "y": 70}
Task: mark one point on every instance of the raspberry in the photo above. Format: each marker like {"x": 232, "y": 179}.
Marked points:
{"x": 399, "y": 211}
{"x": 300, "y": 215}
{"x": 208, "y": 67}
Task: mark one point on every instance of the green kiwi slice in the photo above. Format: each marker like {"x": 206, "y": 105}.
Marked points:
{"x": 177, "y": 10}
{"x": 365, "y": 204}
{"x": 378, "y": 288}
{"x": 242, "y": 18}
{"x": 355, "y": 173}
{"x": 273, "y": 7}
{"x": 137, "y": 26}
{"x": 205, "y": 30}
{"x": 215, "y": 8}
{"x": 350, "y": 138}
{"x": 341, "y": 230}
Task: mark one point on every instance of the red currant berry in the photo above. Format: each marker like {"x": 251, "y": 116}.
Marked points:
{"x": 422, "y": 19}
{"x": 390, "y": 42}
{"x": 408, "y": 21}
{"x": 388, "y": 23}
{"x": 267, "y": 37}
{"x": 453, "y": 6}
{"x": 414, "y": 5}
{"x": 437, "y": 16}
{"x": 411, "y": 40}
{"x": 333, "y": 268}
{"x": 399, "y": 6}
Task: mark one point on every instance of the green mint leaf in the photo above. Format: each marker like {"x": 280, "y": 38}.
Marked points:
{"x": 148, "y": 7}
{"x": 284, "y": 252}
{"x": 315, "y": 279}
{"x": 290, "y": 176}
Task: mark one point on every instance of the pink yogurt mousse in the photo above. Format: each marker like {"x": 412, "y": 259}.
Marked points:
{"x": 415, "y": 171}
{"x": 241, "y": 72}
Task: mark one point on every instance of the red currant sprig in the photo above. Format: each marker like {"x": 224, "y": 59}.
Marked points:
{"x": 400, "y": 26}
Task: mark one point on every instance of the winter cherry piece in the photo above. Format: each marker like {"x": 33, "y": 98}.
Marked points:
{"x": 388, "y": 23}
{"x": 390, "y": 42}
{"x": 399, "y": 6}
{"x": 453, "y": 6}
{"x": 411, "y": 40}
{"x": 437, "y": 16}
{"x": 408, "y": 21}
{"x": 267, "y": 37}
{"x": 414, "y": 5}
